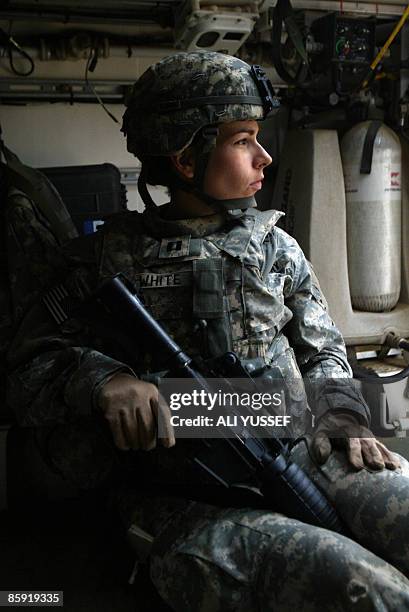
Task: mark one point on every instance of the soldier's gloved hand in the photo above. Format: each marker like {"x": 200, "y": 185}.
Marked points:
{"x": 132, "y": 409}
{"x": 337, "y": 429}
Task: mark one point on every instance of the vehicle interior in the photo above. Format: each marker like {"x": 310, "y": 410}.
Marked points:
{"x": 340, "y": 148}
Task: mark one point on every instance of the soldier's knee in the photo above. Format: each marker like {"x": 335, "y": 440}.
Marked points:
{"x": 322, "y": 570}
{"x": 188, "y": 583}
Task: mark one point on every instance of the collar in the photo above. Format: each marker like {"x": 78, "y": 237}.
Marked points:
{"x": 159, "y": 227}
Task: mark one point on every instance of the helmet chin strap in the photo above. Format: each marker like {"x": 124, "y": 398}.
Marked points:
{"x": 143, "y": 190}
{"x": 225, "y": 206}
{"x": 196, "y": 187}
{"x": 208, "y": 137}
{"x": 221, "y": 205}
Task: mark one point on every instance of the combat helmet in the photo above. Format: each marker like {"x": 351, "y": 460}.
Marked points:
{"x": 186, "y": 95}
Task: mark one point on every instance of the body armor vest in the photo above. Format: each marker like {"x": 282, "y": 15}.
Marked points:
{"x": 213, "y": 293}
{"x": 208, "y": 292}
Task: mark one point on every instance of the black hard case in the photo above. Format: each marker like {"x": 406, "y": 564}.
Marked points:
{"x": 91, "y": 193}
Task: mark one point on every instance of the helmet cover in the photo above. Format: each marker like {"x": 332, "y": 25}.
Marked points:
{"x": 182, "y": 93}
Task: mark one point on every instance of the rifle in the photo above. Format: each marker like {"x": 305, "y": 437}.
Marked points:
{"x": 280, "y": 484}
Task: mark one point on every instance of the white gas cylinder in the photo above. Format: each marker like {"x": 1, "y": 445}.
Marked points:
{"x": 373, "y": 211}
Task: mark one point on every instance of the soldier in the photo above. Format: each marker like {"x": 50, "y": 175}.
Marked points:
{"x": 192, "y": 120}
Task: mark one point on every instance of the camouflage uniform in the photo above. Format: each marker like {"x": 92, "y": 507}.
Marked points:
{"x": 252, "y": 285}
{"x": 208, "y": 558}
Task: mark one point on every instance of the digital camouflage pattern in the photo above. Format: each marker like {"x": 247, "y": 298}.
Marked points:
{"x": 205, "y": 558}
{"x": 281, "y": 319}
{"x": 209, "y": 559}
{"x": 34, "y": 253}
{"x": 30, "y": 255}
{"x": 154, "y": 124}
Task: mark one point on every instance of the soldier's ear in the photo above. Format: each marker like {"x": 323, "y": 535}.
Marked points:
{"x": 184, "y": 163}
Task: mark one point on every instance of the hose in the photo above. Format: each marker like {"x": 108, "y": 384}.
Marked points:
{"x": 283, "y": 13}
{"x": 363, "y": 374}
{"x": 12, "y": 46}
{"x": 386, "y": 46}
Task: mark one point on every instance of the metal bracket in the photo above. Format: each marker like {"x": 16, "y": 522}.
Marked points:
{"x": 62, "y": 90}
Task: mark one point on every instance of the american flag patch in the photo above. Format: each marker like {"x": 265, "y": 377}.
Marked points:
{"x": 58, "y": 303}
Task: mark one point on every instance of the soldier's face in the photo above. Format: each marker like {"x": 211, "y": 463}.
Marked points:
{"x": 235, "y": 168}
